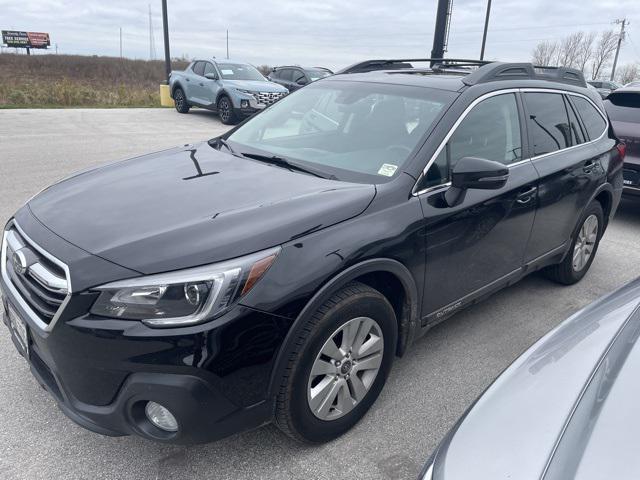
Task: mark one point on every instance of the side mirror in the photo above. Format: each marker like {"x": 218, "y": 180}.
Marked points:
{"x": 301, "y": 81}
{"x": 211, "y": 76}
{"x": 475, "y": 173}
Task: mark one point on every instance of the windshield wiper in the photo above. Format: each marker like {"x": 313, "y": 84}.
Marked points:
{"x": 222, "y": 142}
{"x": 289, "y": 165}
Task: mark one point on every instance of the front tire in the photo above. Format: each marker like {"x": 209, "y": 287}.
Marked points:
{"x": 338, "y": 366}
{"x": 583, "y": 247}
{"x": 180, "y": 101}
{"x": 226, "y": 111}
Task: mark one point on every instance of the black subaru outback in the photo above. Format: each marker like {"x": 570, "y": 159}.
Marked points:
{"x": 314, "y": 244}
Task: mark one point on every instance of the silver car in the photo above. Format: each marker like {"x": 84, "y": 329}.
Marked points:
{"x": 566, "y": 409}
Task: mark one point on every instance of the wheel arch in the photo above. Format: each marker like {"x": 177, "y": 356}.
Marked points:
{"x": 175, "y": 86}
{"x": 388, "y": 276}
{"x": 603, "y": 195}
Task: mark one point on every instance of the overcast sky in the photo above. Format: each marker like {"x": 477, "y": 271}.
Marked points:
{"x": 331, "y": 33}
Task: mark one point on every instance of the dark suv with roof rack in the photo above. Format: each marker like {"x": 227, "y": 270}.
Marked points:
{"x": 295, "y": 77}
{"x": 275, "y": 272}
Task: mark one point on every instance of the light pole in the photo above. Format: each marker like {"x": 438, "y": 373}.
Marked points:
{"x": 623, "y": 23}
{"x": 486, "y": 27}
{"x": 165, "y": 29}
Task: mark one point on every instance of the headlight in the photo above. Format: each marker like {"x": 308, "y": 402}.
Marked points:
{"x": 183, "y": 297}
{"x": 247, "y": 92}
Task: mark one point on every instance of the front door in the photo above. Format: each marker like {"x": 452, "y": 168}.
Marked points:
{"x": 480, "y": 244}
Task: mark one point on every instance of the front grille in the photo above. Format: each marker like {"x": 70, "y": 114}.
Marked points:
{"x": 268, "y": 98}
{"x": 39, "y": 279}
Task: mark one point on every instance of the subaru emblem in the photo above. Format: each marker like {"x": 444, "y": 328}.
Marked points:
{"x": 19, "y": 262}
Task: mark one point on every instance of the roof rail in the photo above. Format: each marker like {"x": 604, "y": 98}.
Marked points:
{"x": 406, "y": 63}
{"x": 524, "y": 71}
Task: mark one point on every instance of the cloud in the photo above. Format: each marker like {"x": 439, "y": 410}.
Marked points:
{"x": 334, "y": 33}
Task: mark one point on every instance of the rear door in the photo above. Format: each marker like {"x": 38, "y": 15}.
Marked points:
{"x": 567, "y": 159}
{"x": 477, "y": 246}
{"x": 194, "y": 89}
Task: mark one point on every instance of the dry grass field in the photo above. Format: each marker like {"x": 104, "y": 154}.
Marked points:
{"x": 52, "y": 81}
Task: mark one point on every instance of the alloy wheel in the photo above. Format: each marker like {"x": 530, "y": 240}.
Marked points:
{"x": 179, "y": 99}
{"x": 224, "y": 110}
{"x": 345, "y": 369}
{"x": 585, "y": 243}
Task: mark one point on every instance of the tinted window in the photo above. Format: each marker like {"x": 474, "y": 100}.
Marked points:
{"x": 491, "y": 130}
{"x": 623, "y": 107}
{"x": 299, "y": 76}
{"x": 592, "y": 120}
{"x": 286, "y": 74}
{"x": 356, "y": 131}
{"x": 577, "y": 135}
{"x": 198, "y": 68}
{"x": 208, "y": 68}
{"x": 548, "y": 122}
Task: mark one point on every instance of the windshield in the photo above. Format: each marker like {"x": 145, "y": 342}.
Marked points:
{"x": 317, "y": 74}
{"x": 236, "y": 71}
{"x": 352, "y": 130}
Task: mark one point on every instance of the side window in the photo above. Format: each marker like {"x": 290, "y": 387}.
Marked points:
{"x": 198, "y": 68}
{"x": 286, "y": 74}
{"x": 299, "y": 75}
{"x": 491, "y": 131}
{"x": 577, "y": 135}
{"x": 548, "y": 122}
{"x": 592, "y": 120}
{"x": 208, "y": 68}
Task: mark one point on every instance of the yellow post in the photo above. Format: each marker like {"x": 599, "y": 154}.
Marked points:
{"x": 165, "y": 96}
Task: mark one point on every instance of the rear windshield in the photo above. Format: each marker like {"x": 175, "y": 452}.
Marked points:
{"x": 623, "y": 106}
{"x": 236, "y": 71}
{"x": 356, "y": 131}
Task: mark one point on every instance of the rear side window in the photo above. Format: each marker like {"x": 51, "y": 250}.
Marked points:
{"x": 592, "y": 120}
{"x": 491, "y": 131}
{"x": 286, "y": 74}
{"x": 548, "y": 122}
{"x": 198, "y": 68}
{"x": 577, "y": 135}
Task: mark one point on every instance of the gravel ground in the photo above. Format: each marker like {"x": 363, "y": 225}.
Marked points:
{"x": 427, "y": 391}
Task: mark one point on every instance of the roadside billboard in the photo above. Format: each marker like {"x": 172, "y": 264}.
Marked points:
{"x": 13, "y": 38}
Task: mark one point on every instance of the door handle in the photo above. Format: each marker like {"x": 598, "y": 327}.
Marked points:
{"x": 525, "y": 196}
{"x": 187, "y": 79}
{"x": 202, "y": 84}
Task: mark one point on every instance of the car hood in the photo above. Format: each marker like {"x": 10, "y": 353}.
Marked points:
{"x": 191, "y": 206}
{"x": 255, "y": 86}
{"x": 565, "y": 409}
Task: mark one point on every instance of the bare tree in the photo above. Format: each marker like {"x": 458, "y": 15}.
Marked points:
{"x": 264, "y": 69}
{"x": 544, "y": 53}
{"x": 604, "y": 49}
{"x": 628, "y": 73}
{"x": 585, "y": 51}
{"x": 568, "y": 50}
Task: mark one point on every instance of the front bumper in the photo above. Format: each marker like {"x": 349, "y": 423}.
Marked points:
{"x": 102, "y": 380}
{"x": 213, "y": 376}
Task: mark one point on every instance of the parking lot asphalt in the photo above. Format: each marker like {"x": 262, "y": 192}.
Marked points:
{"x": 429, "y": 388}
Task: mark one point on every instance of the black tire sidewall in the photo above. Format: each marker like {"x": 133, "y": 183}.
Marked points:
{"x": 305, "y": 422}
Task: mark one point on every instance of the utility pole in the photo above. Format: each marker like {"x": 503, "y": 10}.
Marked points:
{"x": 165, "y": 29}
{"x": 227, "y": 44}
{"x": 486, "y": 27}
{"x": 441, "y": 32}
{"x": 120, "y": 43}
{"x": 622, "y": 23}
{"x": 152, "y": 41}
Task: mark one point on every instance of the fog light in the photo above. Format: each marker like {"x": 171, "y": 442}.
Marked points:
{"x": 161, "y": 417}
{"x": 244, "y": 103}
